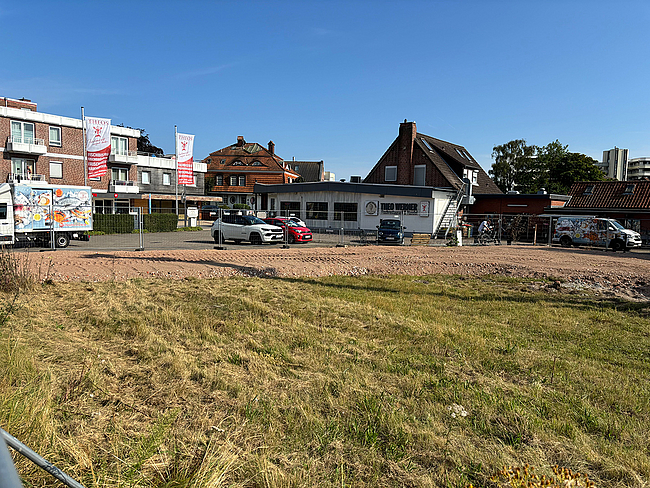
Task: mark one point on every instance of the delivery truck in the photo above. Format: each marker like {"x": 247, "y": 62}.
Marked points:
{"x": 592, "y": 231}
{"x": 38, "y": 213}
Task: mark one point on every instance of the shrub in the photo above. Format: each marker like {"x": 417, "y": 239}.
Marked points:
{"x": 167, "y": 222}
{"x": 114, "y": 223}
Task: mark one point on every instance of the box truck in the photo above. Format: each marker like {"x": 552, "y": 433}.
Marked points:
{"x": 594, "y": 231}
{"x": 40, "y": 213}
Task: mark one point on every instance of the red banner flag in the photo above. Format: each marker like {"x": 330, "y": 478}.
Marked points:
{"x": 185, "y": 160}
{"x": 98, "y": 146}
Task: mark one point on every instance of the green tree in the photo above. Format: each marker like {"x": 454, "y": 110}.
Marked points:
{"x": 512, "y": 165}
{"x": 571, "y": 168}
{"x": 548, "y": 158}
{"x": 145, "y": 145}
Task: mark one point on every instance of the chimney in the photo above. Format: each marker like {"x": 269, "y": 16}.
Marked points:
{"x": 240, "y": 141}
{"x": 407, "y": 132}
{"x": 271, "y": 147}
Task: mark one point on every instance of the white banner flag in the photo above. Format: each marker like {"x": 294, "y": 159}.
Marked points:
{"x": 185, "y": 160}
{"x": 98, "y": 145}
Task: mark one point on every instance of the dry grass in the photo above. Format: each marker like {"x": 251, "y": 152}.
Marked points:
{"x": 338, "y": 381}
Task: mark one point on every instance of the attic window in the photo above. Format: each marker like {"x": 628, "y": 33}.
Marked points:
{"x": 589, "y": 190}
{"x": 237, "y": 163}
{"x": 629, "y": 189}
{"x": 256, "y": 163}
{"x": 460, "y": 153}
{"x": 223, "y": 161}
{"x": 424, "y": 141}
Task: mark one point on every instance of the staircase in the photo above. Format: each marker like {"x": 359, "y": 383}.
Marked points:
{"x": 449, "y": 219}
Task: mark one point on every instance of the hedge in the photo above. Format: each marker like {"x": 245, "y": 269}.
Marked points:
{"x": 125, "y": 224}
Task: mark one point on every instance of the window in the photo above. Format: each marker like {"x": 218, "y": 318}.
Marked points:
{"x": 103, "y": 206}
{"x": 3, "y": 211}
{"x": 317, "y": 210}
{"x": 223, "y": 161}
{"x": 120, "y": 174}
{"x": 242, "y": 180}
{"x": 22, "y": 132}
{"x": 55, "y": 136}
{"x": 218, "y": 180}
{"x": 22, "y": 167}
{"x": 56, "y": 169}
{"x": 146, "y": 177}
{"x": 233, "y": 180}
{"x": 629, "y": 189}
{"x": 167, "y": 179}
{"x": 122, "y": 206}
{"x": 390, "y": 173}
{"x": 256, "y": 163}
{"x": 426, "y": 143}
{"x": 419, "y": 175}
{"x": 119, "y": 145}
{"x": 345, "y": 211}
{"x": 272, "y": 203}
{"x": 589, "y": 190}
{"x": 237, "y": 163}
{"x": 471, "y": 175}
{"x": 290, "y": 208}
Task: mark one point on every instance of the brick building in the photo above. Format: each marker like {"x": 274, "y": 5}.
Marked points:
{"x": 421, "y": 160}
{"x": 50, "y": 148}
{"x": 233, "y": 171}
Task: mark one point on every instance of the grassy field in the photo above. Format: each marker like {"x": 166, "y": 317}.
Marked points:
{"x": 339, "y": 381}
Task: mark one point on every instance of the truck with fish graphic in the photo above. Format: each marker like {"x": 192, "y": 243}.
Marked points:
{"x": 44, "y": 214}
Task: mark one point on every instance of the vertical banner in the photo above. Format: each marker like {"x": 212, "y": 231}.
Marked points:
{"x": 185, "y": 161}
{"x": 98, "y": 145}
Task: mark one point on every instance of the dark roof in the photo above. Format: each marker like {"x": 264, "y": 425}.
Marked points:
{"x": 610, "y": 195}
{"x": 370, "y": 188}
{"x": 309, "y": 170}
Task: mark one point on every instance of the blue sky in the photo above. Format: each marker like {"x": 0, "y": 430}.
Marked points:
{"x": 332, "y": 80}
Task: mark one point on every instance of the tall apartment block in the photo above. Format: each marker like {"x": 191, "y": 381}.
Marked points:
{"x": 614, "y": 163}
{"x": 638, "y": 169}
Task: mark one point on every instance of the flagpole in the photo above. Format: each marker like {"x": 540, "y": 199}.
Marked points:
{"x": 176, "y": 151}
{"x": 83, "y": 143}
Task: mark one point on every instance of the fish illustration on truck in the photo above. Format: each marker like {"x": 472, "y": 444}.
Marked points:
{"x": 593, "y": 231}
{"x": 39, "y": 212}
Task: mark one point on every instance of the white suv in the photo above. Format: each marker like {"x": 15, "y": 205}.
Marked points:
{"x": 245, "y": 228}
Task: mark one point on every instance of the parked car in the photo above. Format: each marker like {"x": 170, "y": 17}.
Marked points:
{"x": 298, "y": 221}
{"x": 209, "y": 212}
{"x": 390, "y": 231}
{"x": 297, "y": 233}
{"x": 240, "y": 228}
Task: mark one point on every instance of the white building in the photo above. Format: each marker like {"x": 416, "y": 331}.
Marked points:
{"x": 614, "y": 163}
{"x": 356, "y": 206}
{"x": 638, "y": 169}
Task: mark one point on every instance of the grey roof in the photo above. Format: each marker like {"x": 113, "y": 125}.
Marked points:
{"x": 369, "y": 188}
{"x": 309, "y": 170}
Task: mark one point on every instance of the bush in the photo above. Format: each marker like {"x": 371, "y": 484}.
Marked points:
{"x": 114, "y": 223}
{"x": 242, "y": 206}
{"x": 167, "y": 222}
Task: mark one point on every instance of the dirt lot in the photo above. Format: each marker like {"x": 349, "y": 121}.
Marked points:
{"x": 622, "y": 274}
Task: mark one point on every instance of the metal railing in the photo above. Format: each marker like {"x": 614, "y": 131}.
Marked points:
{"x": 26, "y": 140}
{"x": 8, "y": 475}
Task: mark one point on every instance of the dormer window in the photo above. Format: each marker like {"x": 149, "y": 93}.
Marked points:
{"x": 256, "y": 163}
{"x": 629, "y": 189}
{"x": 237, "y": 163}
{"x": 589, "y": 190}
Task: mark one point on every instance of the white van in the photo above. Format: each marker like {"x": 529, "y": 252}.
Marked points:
{"x": 591, "y": 231}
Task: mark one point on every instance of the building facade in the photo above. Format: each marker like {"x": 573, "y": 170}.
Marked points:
{"x": 233, "y": 171}
{"x": 615, "y": 163}
{"x": 638, "y": 169}
{"x": 50, "y": 148}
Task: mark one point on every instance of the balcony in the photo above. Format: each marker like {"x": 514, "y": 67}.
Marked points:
{"x": 129, "y": 157}
{"x": 25, "y": 178}
{"x": 122, "y": 186}
{"x": 26, "y": 145}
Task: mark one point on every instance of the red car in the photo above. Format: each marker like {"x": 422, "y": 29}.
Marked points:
{"x": 296, "y": 232}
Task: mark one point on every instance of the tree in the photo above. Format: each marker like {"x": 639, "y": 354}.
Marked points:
{"x": 145, "y": 145}
{"x": 548, "y": 157}
{"x": 571, "y": 168}
{"x": 511, "y": 167}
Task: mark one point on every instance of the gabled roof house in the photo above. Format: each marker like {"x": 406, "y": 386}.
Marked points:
{"x": 421, "y": 160}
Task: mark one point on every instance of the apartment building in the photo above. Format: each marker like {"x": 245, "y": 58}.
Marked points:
{"x": 615, "y": 163}
{"x": 50, "y": 148}
{"x": 638, "y": 169}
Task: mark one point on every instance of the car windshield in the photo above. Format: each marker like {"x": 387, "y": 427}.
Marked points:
{"x": 250, "y": 220}
{"x": 390, "y": 224}
{"x": 616, "y": 224}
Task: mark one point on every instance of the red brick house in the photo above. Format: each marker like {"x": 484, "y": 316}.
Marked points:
{"x": 233, "y": 171}
{"x": 421, "y": 160}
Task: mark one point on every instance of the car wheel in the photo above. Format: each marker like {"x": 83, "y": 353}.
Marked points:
{"x": 292, "y": 239}
{"x": 616, "y": 245}
{"x": 565, "y": 241}
{"x": 216, "y": 237}
{"x": 62, "y": 240}
{"x": 255, "y": 239}
{"x": 237, "y": 241}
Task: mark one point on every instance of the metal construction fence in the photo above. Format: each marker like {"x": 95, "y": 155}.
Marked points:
{"x": 135, "y": 229}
